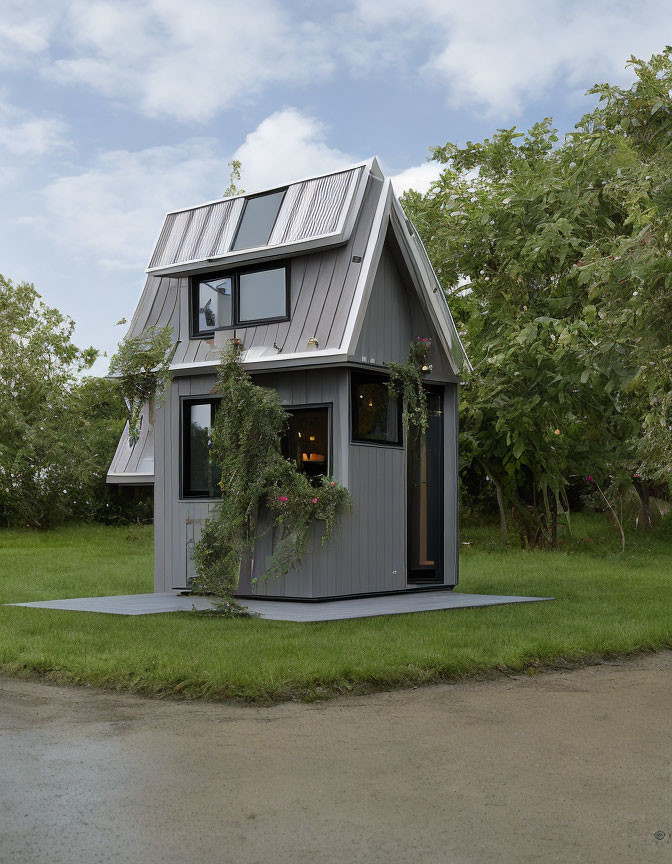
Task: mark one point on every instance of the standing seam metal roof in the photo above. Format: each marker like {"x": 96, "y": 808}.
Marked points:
{"x": 311, "y": 208}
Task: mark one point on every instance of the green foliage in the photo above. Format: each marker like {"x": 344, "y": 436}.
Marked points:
{"x": 52, "y": 456}
{"x": 261, "y": 491}
{"x": 406, "y": 381}
{"x": 556, "y": 259}
{"x": 234, "y": 179}
{"x": 142, "y": 364}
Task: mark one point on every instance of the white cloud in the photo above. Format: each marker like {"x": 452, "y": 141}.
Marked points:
{"x": 286, "y": 146}
{"x": 27, "y": 135}
{"x": 418, "y": 177}
{"x": 26, "y": 27}
{"x": 27, "y": 138}
{"x": 189, "y": 60}
{"x": 112, "y": 211}
{"x": 495, "y": 55}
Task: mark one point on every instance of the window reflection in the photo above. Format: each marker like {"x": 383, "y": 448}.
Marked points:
{"x": 376, "y": 415}
{"x": 262, "y": 294}
{"x": 201, "y": 475}
{"x": 257, "y": 220}
{"x": 215, "y": 307}
{"x": 306, "y": 441}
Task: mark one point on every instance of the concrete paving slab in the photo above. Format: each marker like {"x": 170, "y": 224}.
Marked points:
{"x": 286, "y": 610}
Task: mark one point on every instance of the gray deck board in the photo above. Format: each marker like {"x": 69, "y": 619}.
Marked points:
{"x": 286, "y": 610}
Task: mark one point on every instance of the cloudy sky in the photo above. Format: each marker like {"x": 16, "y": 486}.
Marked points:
{"x": 114, "y": 112}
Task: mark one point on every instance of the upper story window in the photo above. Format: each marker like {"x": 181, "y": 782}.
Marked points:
{"x": 375, "y": 414}
{"x": 239, "y": 298}
{"x": 214, "y": 304}
{"x": 258, "y": 220}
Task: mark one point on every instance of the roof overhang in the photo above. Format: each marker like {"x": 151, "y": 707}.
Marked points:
{"x": 268, "y": 362}
{"x": 316, "y": 212}
{"x": 129, "y": 479}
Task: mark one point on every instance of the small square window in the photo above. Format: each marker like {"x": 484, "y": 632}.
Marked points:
{"x": 262, "y": 295}
{"x": 213, "y": 304}
{"x": 257, "y": 220}
{"x": 376, "y": 415}
{"x": 306, "y": 442}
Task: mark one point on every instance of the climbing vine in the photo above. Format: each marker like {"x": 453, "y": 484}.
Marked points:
{"x": 142, "y": 364}
{"x": 261, "y": 490}
{"x": 406, "y": 381}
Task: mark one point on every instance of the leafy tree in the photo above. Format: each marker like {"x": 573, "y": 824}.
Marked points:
{"x": 42, "y": 465}
{"x": 142, "y": 365}
{"x": 58, "y": 431}
{"x": 556, "y": 257}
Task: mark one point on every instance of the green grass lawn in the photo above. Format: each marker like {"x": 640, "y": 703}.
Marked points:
{"x": 607, "y": 604}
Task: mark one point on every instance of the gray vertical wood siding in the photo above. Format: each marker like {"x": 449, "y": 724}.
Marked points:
{"x": 394, "y": 318}
{"x": 370, "y": 544}
{"x": 368, "y": 554}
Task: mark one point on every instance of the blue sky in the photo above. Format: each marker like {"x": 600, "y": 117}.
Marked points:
{"x": 113, "y": 113}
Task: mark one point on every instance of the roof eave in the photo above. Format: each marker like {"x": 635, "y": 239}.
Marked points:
{"x": 299, "y": 359}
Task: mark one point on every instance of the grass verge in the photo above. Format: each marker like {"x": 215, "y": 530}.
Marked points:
{"x": 606, "y": 604}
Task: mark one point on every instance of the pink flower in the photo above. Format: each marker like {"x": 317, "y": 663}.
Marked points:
{"x": 314, "y": 500}
{"x": 332, "y": 484}
{"x": 589, "y": 478}
{"x": 283, "y": 498}
{"x": 636, "y": 476}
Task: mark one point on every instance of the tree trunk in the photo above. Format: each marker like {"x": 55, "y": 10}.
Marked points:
{"x": 553, "y": 506}
{"x": 644, "y": 520}
{"x": 502, "y": 509}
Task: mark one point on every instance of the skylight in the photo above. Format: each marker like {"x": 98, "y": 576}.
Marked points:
{"x": 257, "y": 220}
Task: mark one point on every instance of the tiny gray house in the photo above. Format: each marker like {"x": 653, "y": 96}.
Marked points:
{"x": 324, "y": 282}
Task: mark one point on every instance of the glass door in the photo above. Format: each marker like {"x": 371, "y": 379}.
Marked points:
{"x": 425, "y": 484}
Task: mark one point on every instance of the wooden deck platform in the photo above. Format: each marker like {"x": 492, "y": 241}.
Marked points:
{"x": 286, "y": 610}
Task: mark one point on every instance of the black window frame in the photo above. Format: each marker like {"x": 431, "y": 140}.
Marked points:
{"x": 249, "y": 198}
{"x": 372, "y": 375}
{"x": 234, "y": 275}
{"x": 186, "y": 493}
{"x": 313, "y": 406}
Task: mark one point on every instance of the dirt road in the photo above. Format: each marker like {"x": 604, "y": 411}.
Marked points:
{"x": 562, "y": 767}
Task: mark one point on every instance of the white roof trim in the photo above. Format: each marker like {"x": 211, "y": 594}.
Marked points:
{"x": 129, "y": 477}
{"x": 346, "y": 219}
{"x": 368, "y": 271}
{"x": 278, "y": 251}
{"x": 271, "y": 361}
{"x": 437, "y": 295}
{"x": 367, "y": 163}
{"x": 427, "y": 282}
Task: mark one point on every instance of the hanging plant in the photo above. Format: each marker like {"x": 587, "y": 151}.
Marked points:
{"x": 256, "y": 479}
{"x": 406, "y": 381}
{"x": 142, "y": 364}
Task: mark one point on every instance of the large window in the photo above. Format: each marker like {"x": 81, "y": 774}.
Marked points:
{"x": 239, "y": 298}
{"x": 376, "y": 415}
{"x": 257, "y": 220}
{"x": 200, "y": 477}
{"x": 306, "y": 441}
